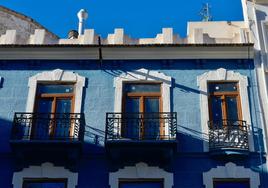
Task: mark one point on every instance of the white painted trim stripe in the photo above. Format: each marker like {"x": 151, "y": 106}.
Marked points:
{"x": 126, "y": 53}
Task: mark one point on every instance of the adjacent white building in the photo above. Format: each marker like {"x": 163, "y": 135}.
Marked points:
{"x": 256, "y": 17}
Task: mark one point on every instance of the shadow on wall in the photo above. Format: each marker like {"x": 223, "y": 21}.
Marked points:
{"x": 6, "y": 159}
{"x": 192, "y": 140}
{"x": 5, "y": 130}
{"x": 93, "y": 140}
{"x": 261, "y": 16}
{"x": 117, "y": 67}
{"x": 84, "y": 95}
{"x": 186, "y": 89}
{"x": 258, "y": 139}
{"x": 1, "y": 82}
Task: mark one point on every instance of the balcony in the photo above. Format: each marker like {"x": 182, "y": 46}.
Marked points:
{"x": 141, "y": 136}
{"x": 228, "y": 138}
{"x": 47, "y": 136}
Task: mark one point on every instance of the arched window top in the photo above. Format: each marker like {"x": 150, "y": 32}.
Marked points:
{"x": 56, "y": 76}
{"x": 231, "y": 171}
{"x": 45, "y": 171}
{"x": 142, "y": 75}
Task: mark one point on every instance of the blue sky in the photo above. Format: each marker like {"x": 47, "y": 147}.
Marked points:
{"x": 139, "y": 18}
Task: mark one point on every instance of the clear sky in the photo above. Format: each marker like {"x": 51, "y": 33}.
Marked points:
{"x": 139, "y": 18}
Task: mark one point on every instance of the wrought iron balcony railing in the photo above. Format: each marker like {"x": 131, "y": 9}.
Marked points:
{"x": 228, "y": 134}
{"x": 48, "y": 126}
{"x": 141, "y": 126}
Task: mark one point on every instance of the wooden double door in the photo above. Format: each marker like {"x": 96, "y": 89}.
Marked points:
{"x": 142, "y": 117}
{"x": 53, "y": 115}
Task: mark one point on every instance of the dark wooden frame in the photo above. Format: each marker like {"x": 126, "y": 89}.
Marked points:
{"x": 142, "y": 180}
{"x": 223, "y": 96}
{"x": 55, "y": 96}
{"x": 224, "y": 180}
{"x": 141, "y": 96}
{"x": 44, "y": 180}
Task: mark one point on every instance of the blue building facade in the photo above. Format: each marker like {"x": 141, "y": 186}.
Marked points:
{"x": 186, "y": 121}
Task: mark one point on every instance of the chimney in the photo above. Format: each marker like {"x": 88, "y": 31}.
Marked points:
{"x": 82, "y": 16}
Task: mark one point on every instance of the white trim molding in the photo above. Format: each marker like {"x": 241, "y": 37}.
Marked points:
{"x": 140, "y": 171}
{"x": 46, "y": 170}
{"x": 143, "y": 75}
{"x": 263, "y": 55}
{"x": 56, "y": 76}
{"x": 264, "y": 27}
{"x": 223, "y": 75}
{"x": 230, "y": 170}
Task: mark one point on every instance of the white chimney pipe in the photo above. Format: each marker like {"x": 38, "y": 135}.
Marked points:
{"x": 82, "y": 16}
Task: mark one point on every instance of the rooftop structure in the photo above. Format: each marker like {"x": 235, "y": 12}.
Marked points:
{"x": 198, "y": 33}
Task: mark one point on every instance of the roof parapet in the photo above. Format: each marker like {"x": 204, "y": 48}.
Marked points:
{"x": 9, "y": 37}
{"x": 218, "y": 32}
{"x": 198, "y": 33}
{"x": 260, "y": 1}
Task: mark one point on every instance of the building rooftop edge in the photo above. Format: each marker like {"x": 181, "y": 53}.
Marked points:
{"x": 27, "y": 18}
{"x": 214, "y": 32}
{"x": 128, "y": 45}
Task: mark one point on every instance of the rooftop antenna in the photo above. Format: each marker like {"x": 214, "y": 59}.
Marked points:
{"x": 82, "y": 16}
{"x": 205, "y": 13}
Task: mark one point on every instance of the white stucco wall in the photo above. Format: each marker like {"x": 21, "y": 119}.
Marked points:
{"x": 258, "y": 23}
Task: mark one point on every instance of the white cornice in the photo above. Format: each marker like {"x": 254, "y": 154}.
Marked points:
{"x": 126, "y": 53}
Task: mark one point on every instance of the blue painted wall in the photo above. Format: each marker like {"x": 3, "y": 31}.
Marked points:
{"x": 99, "y": 99}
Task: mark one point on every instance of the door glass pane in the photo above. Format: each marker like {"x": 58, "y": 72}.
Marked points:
{"x": 132, "y": 119}
{"x": 62, "y": 118}
{"x": 56, "y": 88}
{"x": 229, "y": 184}
{"x": 43, "y": 124}
{"x": 216, "y": 110}
{"x": 223, "y": 87}
{"x": 232, "y": 111}
{"x": 45, "y": 185}
{"x": 151, "y": 105}
{"x": 45, "y": 105}
{"x": 151, "y": 118}
{"x": 63, "y": 105}
{"x": 141, "y": 185}
{"x": 132, "y": 105}
{"x": 139, "y": 88}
